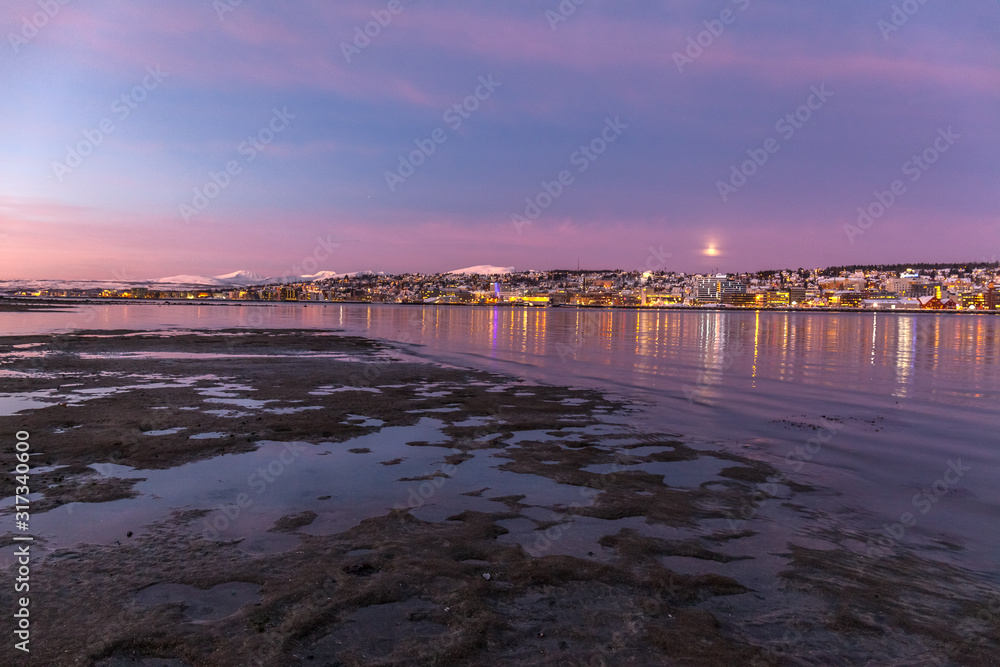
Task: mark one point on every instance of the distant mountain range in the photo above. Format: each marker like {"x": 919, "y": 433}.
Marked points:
{"x": 244, "y": 279}
{"x": 240, "y": 278}
{"x": 234, "y": 279}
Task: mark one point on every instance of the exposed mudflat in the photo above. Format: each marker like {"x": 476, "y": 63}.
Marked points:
{"x": 7, "y": 306}
{"x": 301, "y": 498}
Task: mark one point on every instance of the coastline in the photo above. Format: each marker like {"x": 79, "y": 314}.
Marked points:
{"x": 426, "y": 558}
{"x": 579, "y": 520}
{"x": 27, "y": 304}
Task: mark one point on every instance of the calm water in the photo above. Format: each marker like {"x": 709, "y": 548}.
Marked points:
{"x": 905, "y": 394}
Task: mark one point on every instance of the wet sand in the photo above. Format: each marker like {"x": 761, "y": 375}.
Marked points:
{"x": 420, "y": 514}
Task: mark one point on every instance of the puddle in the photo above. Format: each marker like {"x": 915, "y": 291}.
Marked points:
{"x": 326, "y": 391}
{"x": 248, "y": 492}
{"x": 224, "y": 390}
{"x": 242, "y": 402}
{"x": 208, "y": 436}
{"x": 437, "y": 499}
{"x": 360, "y": 552}
{"x": 474, "y": 421}
{"x": 536, "y": 435}
{"x": 227, "y": 413}
{"x": 25, "y": 374}
{"x": 113, "y": 470}
{"x": 44, "y": 469}
{"x": 165, "y": 431}
{"x": 11, "y": 404}
{"x": 201, "y": 606}
{"x": 245, "y": 493}
{"x": 361, "y": 420}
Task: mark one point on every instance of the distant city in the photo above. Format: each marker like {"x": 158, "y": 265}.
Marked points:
{"x": 970, "y": 286}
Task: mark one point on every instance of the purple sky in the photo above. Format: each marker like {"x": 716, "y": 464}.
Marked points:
{"x": 115, "y": 113}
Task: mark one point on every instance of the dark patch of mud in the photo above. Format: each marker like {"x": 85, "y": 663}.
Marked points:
{"x": 13, "y": 306}
{"x": 86, "y": 489}
{"x": 291, "y": 522}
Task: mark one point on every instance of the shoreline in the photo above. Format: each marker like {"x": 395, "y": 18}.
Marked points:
{"x": 389, "y": 490}
{"x": 475, "y": 538}
{"x": 26, "y": 304}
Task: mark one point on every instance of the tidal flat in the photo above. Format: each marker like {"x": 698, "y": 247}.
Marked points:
{"x": 288, "y": 497}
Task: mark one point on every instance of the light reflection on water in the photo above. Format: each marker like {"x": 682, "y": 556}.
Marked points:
{"x": 912, "y": 391}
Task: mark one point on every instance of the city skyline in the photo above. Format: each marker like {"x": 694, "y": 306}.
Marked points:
{"x": 965, "y": 287}
{"x": 419, "y": 137}
{"x": 654, "y": 264}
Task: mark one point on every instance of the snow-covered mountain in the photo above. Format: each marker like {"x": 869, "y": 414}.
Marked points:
{"x": 17, "y": 285}
{"x": 234, "y": 279}
{"x": 483, "y": 270}
{"x": 322, "y": 275}
{"x": 245, "y": 278}
{"x": 240, "y": 278}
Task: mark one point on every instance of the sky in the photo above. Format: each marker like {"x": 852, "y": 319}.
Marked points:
{"x": 144, "y": 139}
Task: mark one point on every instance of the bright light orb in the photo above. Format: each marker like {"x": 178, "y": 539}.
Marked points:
{"x": 711, "y": 251}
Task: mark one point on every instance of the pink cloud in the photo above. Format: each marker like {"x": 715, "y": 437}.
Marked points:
{"x": 301, "y": 50}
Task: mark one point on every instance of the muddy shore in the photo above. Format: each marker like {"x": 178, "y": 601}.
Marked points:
{"x": 528, "y": 528}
